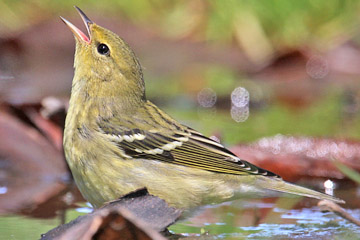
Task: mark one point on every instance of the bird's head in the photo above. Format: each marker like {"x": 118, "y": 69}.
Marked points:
{"x": 104, "y": 64}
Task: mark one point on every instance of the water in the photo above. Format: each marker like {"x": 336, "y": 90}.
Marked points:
{"x": 272, "y": 218}
{"x": 20, "y": 227}
{"x": 274, "y": 222}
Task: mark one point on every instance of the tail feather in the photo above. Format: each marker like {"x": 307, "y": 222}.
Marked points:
{"x": 282, "y": 186}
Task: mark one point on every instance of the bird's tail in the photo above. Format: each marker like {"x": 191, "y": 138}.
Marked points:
{"x": 285, "y": 187}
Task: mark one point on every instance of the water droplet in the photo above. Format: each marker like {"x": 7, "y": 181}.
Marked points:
{"x": 88, "y": 209}
{"x": 239, "y": 114}
{"x": 240, "y": 97}
{"x": 4, "y": 77}
{"x": 207, "y": 98}
{"x": 329, "y": 187}
{"x": 3, "y": 190}
{"x": 328, "y": 184}
{"x": 317, "y": 67}
{"x": 68, "y": 198}
{"x": 84, "y": 210}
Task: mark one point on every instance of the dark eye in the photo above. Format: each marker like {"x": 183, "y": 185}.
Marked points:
{"x": 103, "y": 49}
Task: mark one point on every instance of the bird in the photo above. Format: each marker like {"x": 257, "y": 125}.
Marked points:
{"x": 116, "y": 141}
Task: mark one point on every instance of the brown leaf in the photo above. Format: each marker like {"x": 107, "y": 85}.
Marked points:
{"x": 295, "y": 158}
{"x": 32, "y": 169}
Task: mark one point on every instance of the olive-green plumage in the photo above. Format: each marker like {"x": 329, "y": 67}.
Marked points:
{"x": 116, "y": 141}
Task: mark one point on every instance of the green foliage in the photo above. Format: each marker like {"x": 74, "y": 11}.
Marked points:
{"x": 283, "y": 22}
{"x": 19, "y": 227}
{"x": 220, "y": 79}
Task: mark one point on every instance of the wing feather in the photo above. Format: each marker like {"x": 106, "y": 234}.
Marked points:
{"x": 184, "y": 146}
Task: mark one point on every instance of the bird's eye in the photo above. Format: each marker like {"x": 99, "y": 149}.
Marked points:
{"x": 103, "y": 49}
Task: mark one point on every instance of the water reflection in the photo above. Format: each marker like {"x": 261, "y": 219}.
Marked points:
{"x": 329, "y": 187}
{"x": 279, "y": 223}
{"x": 84, "y": 210}
{"x": 239, "y": 114}
{"x": 240, "y": 97}
{"x": 207, "y": 98}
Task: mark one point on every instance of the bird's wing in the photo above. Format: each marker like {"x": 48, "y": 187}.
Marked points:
{"x": 184, "y": 146}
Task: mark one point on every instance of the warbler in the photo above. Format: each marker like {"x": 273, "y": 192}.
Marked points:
{"x": 116, "y": 141}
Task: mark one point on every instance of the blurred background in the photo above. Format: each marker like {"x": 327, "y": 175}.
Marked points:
{"x": 277, "y": 81}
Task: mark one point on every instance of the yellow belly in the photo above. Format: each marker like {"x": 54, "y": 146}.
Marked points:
{"x": 179, "y": 186}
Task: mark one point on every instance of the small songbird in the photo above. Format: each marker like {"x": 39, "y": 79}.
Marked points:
{"x": 116, "y": 141}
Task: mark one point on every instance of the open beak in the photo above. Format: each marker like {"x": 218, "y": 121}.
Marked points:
{"x": 77, "y": 32}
